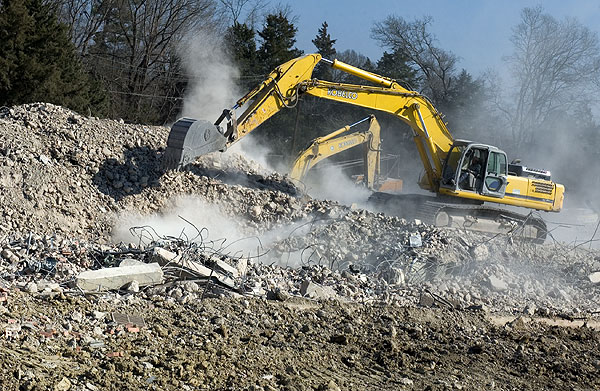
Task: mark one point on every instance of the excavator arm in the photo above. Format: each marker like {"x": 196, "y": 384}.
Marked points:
{"x": 281, "y": 89}
{"x": 336, "y": 142}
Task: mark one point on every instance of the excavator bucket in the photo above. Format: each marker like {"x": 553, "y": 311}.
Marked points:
{"x": 190, "y": 138}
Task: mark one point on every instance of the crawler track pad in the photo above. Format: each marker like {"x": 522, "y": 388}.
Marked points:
{"x": 190, "y": 138}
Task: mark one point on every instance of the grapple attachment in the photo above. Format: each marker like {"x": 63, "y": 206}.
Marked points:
{"x": 190, "y": 138}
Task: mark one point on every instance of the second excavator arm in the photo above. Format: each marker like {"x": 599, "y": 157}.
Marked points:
{"x": 335, "y": 142}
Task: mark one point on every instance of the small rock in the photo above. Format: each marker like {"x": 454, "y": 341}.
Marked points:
{"x": 45, "y": 159}
{"x": 480, "y": 252}
{"x": 332, "y": 386}
{"x": 31, "y": 287}
{"x": 530, "y": 309}
{"x": 594, "y": 277}
{"x": 63, "y": 385}
{"x": 77, "y": 316}
{"x": 496, "y": 284}
{"x": 98, "y": 315}
{"x": 133, "y": 286}
{"x": 406, "y": 381}
{"x": 191, "y": 286}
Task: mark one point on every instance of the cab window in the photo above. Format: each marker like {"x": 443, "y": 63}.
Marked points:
{"x": 496, "y": 164}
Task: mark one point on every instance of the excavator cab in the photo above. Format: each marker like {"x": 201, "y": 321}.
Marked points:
{"x": 477, "y": 168}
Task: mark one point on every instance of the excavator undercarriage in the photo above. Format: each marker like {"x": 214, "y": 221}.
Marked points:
{"x": 449, "y": 212}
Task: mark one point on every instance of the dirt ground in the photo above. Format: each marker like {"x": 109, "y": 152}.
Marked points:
{"x": 297, "y": 344}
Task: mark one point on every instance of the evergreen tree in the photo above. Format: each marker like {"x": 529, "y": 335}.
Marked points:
{"x": 324, "y": 45}
{"x": 39, "y": 62}
{"x": 278, "y": 38}
{"x": 241, "y": 46}
{"x": 395, "y": 65}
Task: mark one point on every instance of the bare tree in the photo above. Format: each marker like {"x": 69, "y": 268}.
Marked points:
{"x": 85, "y": 18}
{"x": 135, "y": 50}
{"x": 414, "y": 41}
{"x": 554, "y": 64}
{"x": 244, "y": 11}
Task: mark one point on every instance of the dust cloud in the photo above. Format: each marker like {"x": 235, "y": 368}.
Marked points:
{"x": 331, "y": 183}
{"x": 213, "y": 86}
{"x": 194, "y": 220}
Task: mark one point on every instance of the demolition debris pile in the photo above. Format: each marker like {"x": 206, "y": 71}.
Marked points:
{"x": 345, "y": 297}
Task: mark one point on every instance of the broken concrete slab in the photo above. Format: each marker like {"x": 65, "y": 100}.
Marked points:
{"x": 227, "y": 268}
{"x": 162, "y": 256}
{"x": 165, "y": 257}
{"x": 316, "y": 291}
{"x": 116, "y": 277}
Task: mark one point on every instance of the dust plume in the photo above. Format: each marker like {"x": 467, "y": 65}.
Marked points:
{"x": 194, "y": 220}
{"x": 213, "y": 85}
{"x": 197, "y": 221}
{"x": 331, "y": 183}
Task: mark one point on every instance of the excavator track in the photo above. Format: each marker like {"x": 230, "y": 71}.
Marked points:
{"x": 450, "y": 213}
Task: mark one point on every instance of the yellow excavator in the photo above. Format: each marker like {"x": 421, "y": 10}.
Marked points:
{"x": 336, "y": 142}
{"x": 465, "y": 176}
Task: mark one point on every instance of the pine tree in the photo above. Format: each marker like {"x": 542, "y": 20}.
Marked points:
{"x": 278, "y": 38}
{"x": 39, "y": 62}
{"x": 394, "y": 65}
{"x": 241, "y": 46}
{"x": 324, "y": 45}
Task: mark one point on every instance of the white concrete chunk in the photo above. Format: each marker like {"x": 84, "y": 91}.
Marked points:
{"x": 163, "y": 256}
{"x": 116, "y": 277}
{"x": 497, "y": 284}
{"x": 316, "y": 291}
{"x": 594, "y": 277}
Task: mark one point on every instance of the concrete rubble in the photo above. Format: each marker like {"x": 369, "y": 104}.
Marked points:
{"x": 375, "y": 295}
{"x": 118, "y": 277}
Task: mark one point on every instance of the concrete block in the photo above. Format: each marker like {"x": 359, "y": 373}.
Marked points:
{"x": 116, "y": 277}
{"x": 162, "y": 256}
{"x": 316, "y": 291}
{"x": 496, "y": 284}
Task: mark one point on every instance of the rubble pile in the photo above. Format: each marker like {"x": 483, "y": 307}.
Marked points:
{"x": 62, "y": 172}
{"x": 328, "y": 290}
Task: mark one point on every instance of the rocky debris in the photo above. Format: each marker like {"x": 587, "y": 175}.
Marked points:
{"x": 66, "y": 173}
{"x": 111, "y": 341}
{"x": 383, "y": 301}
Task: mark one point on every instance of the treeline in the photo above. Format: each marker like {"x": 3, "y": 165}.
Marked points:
{"x": 126, "y": 59}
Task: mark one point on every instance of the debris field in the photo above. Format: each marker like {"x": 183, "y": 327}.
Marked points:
{"x": 118, "y": 275}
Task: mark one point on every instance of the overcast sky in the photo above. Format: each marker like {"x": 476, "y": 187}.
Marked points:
{"x": 478, "y": 31}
